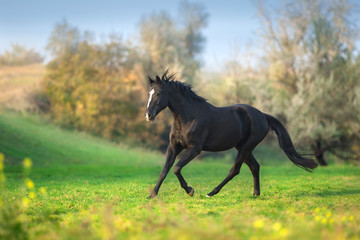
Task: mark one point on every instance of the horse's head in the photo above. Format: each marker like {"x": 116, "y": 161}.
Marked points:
{"x": 158, "y": 98}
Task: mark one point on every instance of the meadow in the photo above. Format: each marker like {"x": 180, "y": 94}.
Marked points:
{"x": 75, "y": 186}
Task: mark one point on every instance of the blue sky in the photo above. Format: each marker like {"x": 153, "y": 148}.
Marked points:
{"x": 231, "y": 22}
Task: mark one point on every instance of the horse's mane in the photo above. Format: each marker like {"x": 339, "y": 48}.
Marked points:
{"x": 184, "y": 88}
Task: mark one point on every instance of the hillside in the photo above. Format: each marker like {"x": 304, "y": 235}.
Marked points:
{"x": 47, "y": 144}
{"x": 18, "y": 83}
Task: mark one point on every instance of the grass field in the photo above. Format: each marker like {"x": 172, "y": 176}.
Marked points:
{"x": 83, "y": 187}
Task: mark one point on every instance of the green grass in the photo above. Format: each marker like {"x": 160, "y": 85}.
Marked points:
{"x": 97, "y": 190}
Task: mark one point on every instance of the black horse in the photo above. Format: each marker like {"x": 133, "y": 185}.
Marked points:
{"x": 199, "y": 126}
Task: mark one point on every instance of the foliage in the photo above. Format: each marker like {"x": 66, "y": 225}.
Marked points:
{"x": 308, "y": 75}
{"x": 89, "y": 193}
{"x": 174, "y": 44}
{"x": 325, "y": 112}
{"x": 239, "y": 83}
{"x": 95, "y": 87}
{"x": 19, "y": 55}
{"x": 102, "y": 88}
{"x": 311, "y": 57}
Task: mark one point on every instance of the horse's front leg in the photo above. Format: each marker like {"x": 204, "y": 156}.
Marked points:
{"x": 171, "y": 153}
{"x": 189, "y": 155}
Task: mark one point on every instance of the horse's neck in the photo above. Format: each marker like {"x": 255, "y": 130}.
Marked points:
{"x": 182, "y": 108}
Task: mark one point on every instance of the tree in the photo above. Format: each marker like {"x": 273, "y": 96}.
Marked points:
{"x": 95, "y": 87}
{"x": 20, "y": 55}
{"x": 101, "y": 87}
{"x": 311, "y": 58}
{"x": 167, "y": 43}
{"x": 194, "y": 18}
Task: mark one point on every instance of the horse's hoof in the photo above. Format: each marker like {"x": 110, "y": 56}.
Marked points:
{"x": 191, "y": 193}
{"x": 152, "y": 195}
{"x": 211, "y": 194}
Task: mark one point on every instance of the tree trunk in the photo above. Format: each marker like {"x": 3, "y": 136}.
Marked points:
{"x": 319, "y": 154}
{"x": 320, "y": 158}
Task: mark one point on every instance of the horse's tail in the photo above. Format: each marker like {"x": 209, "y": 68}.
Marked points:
{"x": 287, "y": 146}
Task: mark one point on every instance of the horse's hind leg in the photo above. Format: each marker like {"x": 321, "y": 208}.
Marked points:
{"x": 244, "y": 152}
{"x": 232, "y": 173}
{"x": 255, "y": 170}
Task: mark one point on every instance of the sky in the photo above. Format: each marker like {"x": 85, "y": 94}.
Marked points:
{"x": 232, "y": 24}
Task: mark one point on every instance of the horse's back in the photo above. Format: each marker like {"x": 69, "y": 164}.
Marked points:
{"x": 227, "y": 127}
{"x": 249, "y": 120}
{"x": 259, "y": 125}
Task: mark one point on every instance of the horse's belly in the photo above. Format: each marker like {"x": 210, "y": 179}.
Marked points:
{"x": 217, "y": 148}
{"x": 223, "y": 140}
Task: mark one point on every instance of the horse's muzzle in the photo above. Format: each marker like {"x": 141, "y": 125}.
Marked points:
{"x": 149, "y": 117}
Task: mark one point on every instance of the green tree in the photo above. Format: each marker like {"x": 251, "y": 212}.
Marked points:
{"x": 312, "y": 60}
{"x": 94, "y": 87}
{"x": 167, "y": 43}
{"x": 102, "y": 87}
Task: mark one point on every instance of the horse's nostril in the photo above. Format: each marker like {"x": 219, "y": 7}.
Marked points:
{"x": 148, "y": 116}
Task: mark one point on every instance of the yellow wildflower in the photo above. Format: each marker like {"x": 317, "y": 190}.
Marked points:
{"x": 2, "y": 178}
{"x": 83, "y": 212}
{"x": 317, "y": 210}
{"x": 329, "y": 214}
{"x": 25, "y": 201}
{"x": 27, "y": 163}
{"x": 317, "y": 218}
{"x": 276, "y": 226}
{"x": 351, "y": 218}
{"x": 32, "y": 195}
{"x": 283, "y": 232}
{"x": 331, "y": 220}
{"x": 43, "y": 190}
{"x": 258, "y": 224}
{"x": 30, "y": 184}
{"x": 324, "y": 220}
{"x": 1, "y": 165}
{"x": 123, "y": 224}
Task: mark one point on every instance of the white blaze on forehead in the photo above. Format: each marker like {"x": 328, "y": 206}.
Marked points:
{"x": 150, "y": 97}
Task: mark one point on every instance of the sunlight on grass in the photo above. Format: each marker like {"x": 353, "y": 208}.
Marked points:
{"x": 63, "y": 185}
{"x": 61, "y": 213}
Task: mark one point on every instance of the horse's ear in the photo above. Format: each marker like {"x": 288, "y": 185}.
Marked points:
{"x": 158, "y": 80}
{"x": 151, "y": 81}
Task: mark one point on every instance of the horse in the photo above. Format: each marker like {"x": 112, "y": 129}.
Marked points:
{"x": 200, "y": 126}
